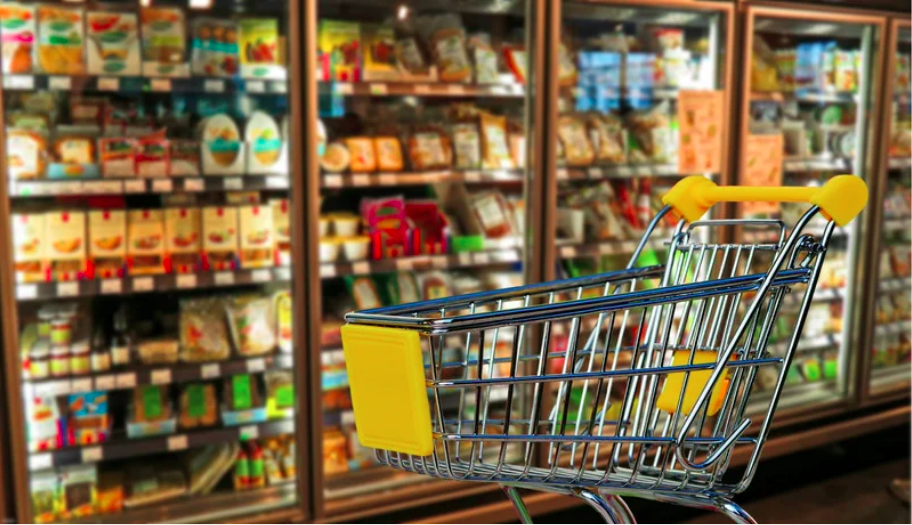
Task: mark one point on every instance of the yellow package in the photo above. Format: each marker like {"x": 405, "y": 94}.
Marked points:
{"x": 696, "y": 382}
{"x": 61, "y": 40}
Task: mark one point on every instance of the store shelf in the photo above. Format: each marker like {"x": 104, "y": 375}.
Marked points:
{"x": 896, "y": 284}
{"x": 422, "y": 89}
{"x": 901, "y": 327}
{"x": 803, "y": 95}
{"x": 902, "y": 224}
{"x": 800, "y": 164}
{"x": 421, "y": 262}
{"x": 638, "y": 92}
{"x": 150, "y": 283}
{"x": 49, "y": 188}
{"x": 362, "y": 180}
{"x": 158, "y": 375}
{"x": 806, "y": 344}
{"x": 608, "y": 248}
{"x": 899, "y": 163}
{"x": 618, "y": 172}
{"x": 132, "y": 448}
{"x": 133, "y": 85}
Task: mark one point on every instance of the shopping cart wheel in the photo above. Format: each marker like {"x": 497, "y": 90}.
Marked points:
{"x": 610, "y": 507}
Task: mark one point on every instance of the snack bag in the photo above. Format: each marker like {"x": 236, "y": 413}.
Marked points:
{"x": 446, "y": 38}
{"x": 252, "y": 324}
{"x": 113, "y": 47}
{"x": 61, "y": 40}
{"x": 573, "y": 137}
{"x": 495, "y": 151}
{"x": 203, "y": 333}
{"x": 18, "y": 32}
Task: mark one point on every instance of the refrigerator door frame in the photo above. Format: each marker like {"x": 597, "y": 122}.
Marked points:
{"x": 899, "y": 390}
{"x": 9, "y": 322}
{"x": 750, "y": 11}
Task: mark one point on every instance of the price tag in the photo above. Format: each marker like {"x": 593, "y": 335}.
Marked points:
{"x": 282, "y": 274}
{"x": 332, "y": 181}
{"x": 81, "y": 385}
{"x": 500, "y": 90}
{"x": 327, "y": 270}
{"x": 194, "y": 184}
{"x": 127, "y": 380}
{"x": 135, "y": 186}
{"x": 161, "y": 376}
{"x": 92, "y": 455}
{"x": 68, "y": 289}
{"x": 360, "y": 180}
{"x": 343, "y": 88}
{"x": 249, "y": 432}
{"x": 256, "y": 365}
{"x": 261, "y": 276}
{"x": 160, "y": 84}
{"x": 111, "y": 286}
{"x": 211, "y": 370}
{"x": 404, "y": 264}
{"x": 361, "y": 268}
{"x": 378, "y": 89}
{"x": 214, "y": 86}
{"x": 596, "y": 173}
{"x": 256, "y": 86}
{"x": 482, "y": 258}
{"x": 26, "y": 291}
{"x": 422, "y": 89}
{"x": 439, "y": 261}
{"x": 108, "y": 84}
{"x": 563, "y": 174}
{"x": 20, "y": 82}
{"x": 233, "y": 183}
{"x": 52, "y": 388}
{"x": 473, "y": 176}
{"x": 387, "y": 179}
{"x": 162, "y": 185}
{"x": 105, "y": 383}
{"x": 59, "y": 83}
{"x": 142, "y": 284}
{"x": 186, "y": 280}
{"x": 465, "y": 259}
{"x": 456, "y": 89}
{"x": 277, "y": 182}
{"x": 103, "y": 187}
{"x": 224, "y": 278}
{"x": 40, "y": 461}
{"x": 177, "y": 442}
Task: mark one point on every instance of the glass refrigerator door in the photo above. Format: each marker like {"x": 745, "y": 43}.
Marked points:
{"x": 807, "y": 116}
{"x": 147, "y": 307}
{"x": 423, "y": 126}
{"x": 890, "y": 347}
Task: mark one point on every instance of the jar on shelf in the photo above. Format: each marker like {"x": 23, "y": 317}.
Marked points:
{"x": 60, "y": 361}
{"x": 40, "y": 360}
{"x": 80, "y": 358}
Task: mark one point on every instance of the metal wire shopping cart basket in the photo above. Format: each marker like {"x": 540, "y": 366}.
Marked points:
{"x": 633, "y": 383}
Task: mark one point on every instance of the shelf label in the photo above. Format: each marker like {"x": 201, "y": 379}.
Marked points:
{"x": 142, "y": 284}
{"x": 360, "y": 180}
{"x": 482, "y": 258}
{"x": 440, "y": 261}
{"x": 256, "y": 365}
{"x": 224, "y": 278}
{"x": 261, "y": 276}
{"x": 20, "y": 82}
{"x": 256, "y": 86}
{"x": 562, "y": 173}
{"x": 277, "y": 182}
{"x": 162, "y": 185}
{"x": 332, "y": 181}
{"x": 214, "y": 86}
{"x": 68, "y": 289}
{"x": 472, "y": 176}
{"x": 404, "y": 264}
{"x": 361, "y": 268}
{"x": 161, "y": 376}
{"x": 26, "y": 291}
{"x": 210, "y": 370}
{"x": 52, "y": 388}
{"x": 327, "y": 270}
{"x": 249, "y": 432}
{"x": 59, "y": 83}
{"x": 92, "y": 455}
{"x": 127, "y": 380}
{"x": 194, "y": 184}
{"x": 177, "y": 443}
{"x": 186, "y": 280}
{"x": 596, "y": 173}
{"x": 343, "y": 88}
{"x": 233, "y": 183}
{"x": 40, "y": 461}
{"x": 387, "y": 179}
{"x": 108, "y": 84}
{"x": 465, "y": 259}
{"x": 105, "y": 383}
{"x": 160, "y": 84}
{"x": 111, "y": 286}
{"x": 103, "y": 187}
{"x": 135, "y": 186}
{"x": 422, "y": 89}
{"x": 81, "y": 385}
{"x": 378, "y": 89}
{"x": 456, "y": 89}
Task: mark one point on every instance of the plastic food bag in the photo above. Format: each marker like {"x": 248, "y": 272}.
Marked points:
{"x": 203, "y": 334}
{"x": 446, "y": 38}
{"x": 252, "y": 325}
{"x": 650, "y": 135}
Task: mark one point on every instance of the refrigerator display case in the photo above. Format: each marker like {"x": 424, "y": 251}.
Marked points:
{"x": 807, "y": 114}
{"x": 145, "y": 216}
{"x": 888, "y": 350}
{"x": 419, "y": 188}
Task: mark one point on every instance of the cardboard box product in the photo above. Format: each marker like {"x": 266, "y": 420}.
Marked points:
{"x": 185, "y": 158}
{"x": 18, "y": 35}
{"x": 340, "y": 50}
{"x": 182, "y": 239}
{"x": 257, "y": 242}
{"x": 259, "y": 48}
{"x": 222, "y": 149}
{"x": 214, "y": 48}
{"x": 66, "y": 237}
{"x": 30, "y": 246}
{"x": 113, "y": 43}
{"x": 389, "y": 228}
{"x": 281, "y": 227}
{"x": 108, "y": 242}
{"x": 146, "y": 242}
{"x": 164, "y": 45}
{"x": 117, "y": 156}
{"x": 152, "y": 157}
{"x": 61, "y": 40}
{"x": 220, "y": 237}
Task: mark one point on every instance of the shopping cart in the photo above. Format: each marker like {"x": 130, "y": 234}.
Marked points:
{"x": 628, "y": 383}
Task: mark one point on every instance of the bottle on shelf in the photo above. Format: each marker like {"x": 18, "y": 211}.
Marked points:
{"x": 101, "y": 352}
{"x": 121, "y": 344}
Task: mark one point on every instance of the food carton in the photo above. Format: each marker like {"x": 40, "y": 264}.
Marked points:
{"x": 108, "y": 242}
{"x": 164, "y": 45}
{"x": 113, "y": 47}
{"x": 182, "y": 239}
{"x": 257, "y": 239}
{"x": 214, "y": 49}
{"x": 18, "y": 32}
{"x": 66, "y": 237}
{"x": 117, "y": 156}
{"x": 146, "y": 246}
{"x": 222, "y": 149}
{"x": 281, "y": 227}
{"x": 60, "y": 40}
{"x": 340, "y": 50}
{"x": 220, "y": 237}
{"x": 260, "y": 51}
{"x": 30, "y": 246}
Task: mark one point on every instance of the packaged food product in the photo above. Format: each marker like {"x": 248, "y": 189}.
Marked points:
{"x": 516, "y": 59}
{"x": 29, "y": 246}
{"x": 61, "y": 40}
{"x": 108, "y": 242}
{"x": 281, "y": 228}
{"x": 356, "y": 248}
{"x": 389, "y": 153}
{"x": 158, "y": 351}
{"x": 495, "y": 152}
{"x": 429, "y": 149}
{"x": 607, "y": 133}
{"x": 257, "y": 246}
{"x": 364, "y": 291}
{"x": 164, "y": 45}
{"x": 517, "y": 142}
{"x": 78, "y": 484}
{"x": 145, "y": 242}
{"x": 182, "y": 239}
{"x": 26, "y": 151}
{"x": 252, "y": 323}
{"x": 113, "y": 47}
{"x": 45, "y": 494}
{"x": 241, "y": 475}
{"x": 571, "y": 131}
{"x": 118, "y": 157}
{"x": 220, "y": 237}
{"x": 222, "y": 140}
{"x": 152, "y": 157}
{"x": 335, "y": 452}
{"x": 566, "y": 66}
{"x": 154, "y": 484}
{"x": 650, "y": 135}
{"x": 18, "y": 32}
{"x": 409, "y": 57}
{"x": 110, "y": 492}
{"x": 214, "y": 48}
{"x": 185, "y": 158}
{"x": 434, "y": 285}
{"x": 284, "y": 328}
{"x": 263, "y": 139}
{"x": 242, "y": 392}
{"x": 90, "y": 418}
{"x": 446, "y": 39}
{"x": 484, "y": 58}
{"x": 66, "y": 237}
{"x": 74, "y": 150}
{"x": 203, "y": 330}
{"x": 336, "y": 159}
{"x": 197, "y": 405}
{"x": 380, "y": 52}
{"x": 493, "y": 214}
{"x": 259, "y": 48}
{"x": 280, "y": 392}
{"x": 405, "y": 289}
{"x": 340, "y": 50}
{"x": 466, "y": 145}
{"x": 363, "y": 156}
{"x": 206, "y": 466}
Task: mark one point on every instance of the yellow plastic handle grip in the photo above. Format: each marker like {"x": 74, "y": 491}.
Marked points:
{"x": 840, "y": 199}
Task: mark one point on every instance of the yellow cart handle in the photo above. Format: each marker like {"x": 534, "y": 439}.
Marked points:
{"x": 840, "y": 199}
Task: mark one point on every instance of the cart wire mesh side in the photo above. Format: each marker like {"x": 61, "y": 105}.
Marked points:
{"x": 634, "y": 382}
